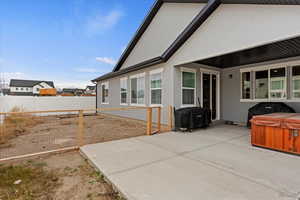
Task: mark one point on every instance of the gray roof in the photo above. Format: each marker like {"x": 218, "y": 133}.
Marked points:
{"x": 27, "y": 83}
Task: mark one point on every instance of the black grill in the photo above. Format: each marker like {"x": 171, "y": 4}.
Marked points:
{"x": 190, "y": 118}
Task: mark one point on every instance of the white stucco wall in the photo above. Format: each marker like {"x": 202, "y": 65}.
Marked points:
{"x": 234, "y": 27}
{"x": 29, "y": 103}
{"x": 169, "y": 22}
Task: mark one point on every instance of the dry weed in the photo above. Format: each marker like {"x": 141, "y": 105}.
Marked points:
{"x": 17, "y": 123}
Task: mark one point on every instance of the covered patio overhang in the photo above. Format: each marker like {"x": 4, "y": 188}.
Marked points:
{"x": 274, "y": 51}
{"x": 236, "y": 74}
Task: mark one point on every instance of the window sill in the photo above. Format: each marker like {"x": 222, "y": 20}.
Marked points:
{"x": 188, "y": 105}
{"x": 104, "y": 103}
{"x": 156, "y": 105}
{"x": 124, "y": 104}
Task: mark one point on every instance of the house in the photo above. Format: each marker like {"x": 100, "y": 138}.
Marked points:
{"x": 28, "y": 87}
{"x": 90, "y": 89}
{"x": 229, "y": 54}
{"x": 72, "y": 91}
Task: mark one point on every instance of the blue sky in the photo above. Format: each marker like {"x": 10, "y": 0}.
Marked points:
{"x": 68, "y": 41}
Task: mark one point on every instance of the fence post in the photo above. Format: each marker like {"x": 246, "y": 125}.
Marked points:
{"x": 80, "y": 128}
{"x": 170, "y": 124}
{"x": 159, "y": 119}
{"x": 149, "y": 121}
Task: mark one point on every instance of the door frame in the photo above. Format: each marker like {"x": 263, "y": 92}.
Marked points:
{"x": 210, "y": 72}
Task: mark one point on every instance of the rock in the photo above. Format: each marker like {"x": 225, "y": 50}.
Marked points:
{"x": 18, "y": 182}
{"x": 54, "y": 179}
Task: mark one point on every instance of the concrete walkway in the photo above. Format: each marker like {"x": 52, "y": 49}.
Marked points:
{"x": 213, "y": 164}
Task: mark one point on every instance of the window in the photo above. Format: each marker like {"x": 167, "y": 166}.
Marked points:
{"x": 137, "y": 87}
{"x": 277, "y": 83}
{"x": 246, "y": 85}
{"x": 188, "y": 87}
{"x": 261, "y": 84}
{"x": 21, "y": 89}
{"x": 156, "y": 87}
{"x": 17, "y": 89}
{"x": 270, "y": 83}
{"x": 296, "y": 82}
{"x": 104, "y": 91}
{"x": 123, "y": 90}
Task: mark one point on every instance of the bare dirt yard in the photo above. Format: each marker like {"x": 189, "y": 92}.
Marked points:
{"x": 54, "y": 177}
{"x": 46, "y": 133}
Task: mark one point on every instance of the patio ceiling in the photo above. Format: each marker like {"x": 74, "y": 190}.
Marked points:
{"x": 277, "y": 50}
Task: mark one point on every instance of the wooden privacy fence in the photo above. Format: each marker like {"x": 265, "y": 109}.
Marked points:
{"x": 53, "y": 143}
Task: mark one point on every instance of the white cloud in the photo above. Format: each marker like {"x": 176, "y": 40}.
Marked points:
{"x": 87, "y": 70}
{"x": 106, "y": 60}
{"x": 100, "y": 23}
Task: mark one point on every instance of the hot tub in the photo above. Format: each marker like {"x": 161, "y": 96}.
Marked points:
{"x": 278, "y": 131}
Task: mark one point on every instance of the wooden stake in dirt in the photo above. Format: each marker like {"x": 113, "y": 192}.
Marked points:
{"x": 170, "y": 124}
{"x": 80, "y": 129}
{"x": 149, "y": 121}
{"x": 2, "y": 128}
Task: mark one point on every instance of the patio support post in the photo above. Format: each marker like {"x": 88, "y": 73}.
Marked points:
{"x": 149, "y": 121}
{"x": 80, "y": 129}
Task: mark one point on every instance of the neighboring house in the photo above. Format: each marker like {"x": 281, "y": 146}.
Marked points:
{"x": 28, "y": 87}
{"x": 90, "y": 90}
{"x": 73, "y": 91}
{"x": 229, "y": 54}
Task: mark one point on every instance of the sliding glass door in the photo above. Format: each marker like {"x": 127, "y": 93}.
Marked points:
{"x": 210, "y": 93}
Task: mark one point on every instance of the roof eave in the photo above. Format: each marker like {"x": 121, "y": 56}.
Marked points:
{"x": 139, "y": 66}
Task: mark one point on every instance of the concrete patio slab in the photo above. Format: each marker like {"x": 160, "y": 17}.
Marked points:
{"x": 184, "y": 179}
{"x": 180, "y": 143}
{"x": 117, "y": 156}
{"x": 215, "y": 163}
{"x": 259, "y": 165}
